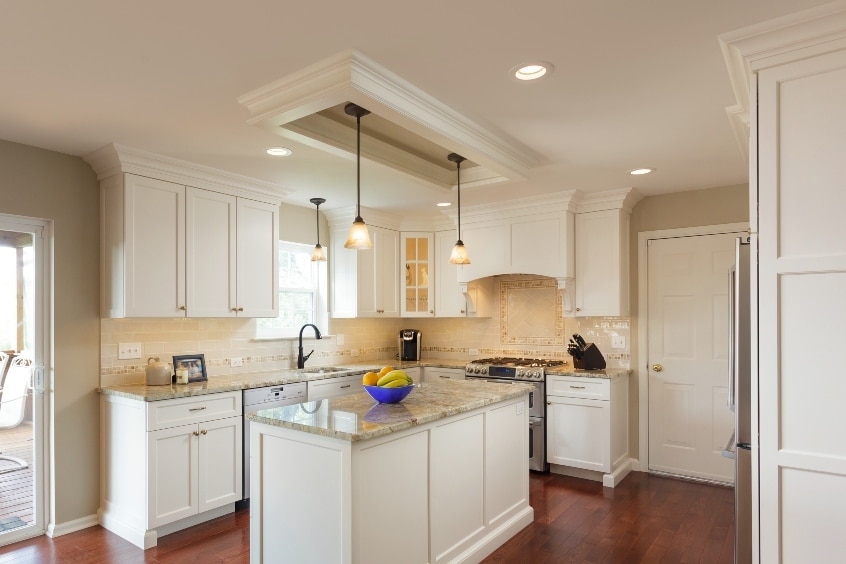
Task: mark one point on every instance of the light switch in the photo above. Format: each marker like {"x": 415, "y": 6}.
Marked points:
{"x": 236, "y": 361}
{"x": 618, "y": 342}
{"x": 339, "y": 340}
{"x": 129, "y": 350}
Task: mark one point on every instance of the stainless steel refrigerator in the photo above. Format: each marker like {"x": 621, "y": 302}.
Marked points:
{"x": 739, "y": 446}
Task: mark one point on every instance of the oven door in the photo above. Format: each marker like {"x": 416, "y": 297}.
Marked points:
{"x": 537, "y": 446}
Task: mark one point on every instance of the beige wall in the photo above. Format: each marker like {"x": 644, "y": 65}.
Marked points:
{"x": 62, "y": 188}
{"x": 297, "y": 225}
{"x": 713, "y": 206}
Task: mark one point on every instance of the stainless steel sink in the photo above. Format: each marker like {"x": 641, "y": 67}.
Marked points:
{"x": 323, "y": 370}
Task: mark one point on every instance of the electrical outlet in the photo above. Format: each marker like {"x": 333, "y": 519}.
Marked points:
{"x": 129, "y": 350}
{"x": 236, "y": 361}
{"x": 473, "y": 352}
{"x": 339, "y": 340}
{"x": 519, "y": 409}
{"x": 354, "y": 352}
{"x": 618, "y": 342}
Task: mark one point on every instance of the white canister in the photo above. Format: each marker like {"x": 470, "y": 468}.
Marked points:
{"x": 181, "y": 375}
{"x": 158, "y": 373}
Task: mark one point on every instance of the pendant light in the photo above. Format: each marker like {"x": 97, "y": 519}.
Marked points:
{"x": 459, "y": 253}
{"x": 358, "y": 238}
{"x": 317, "y": 254}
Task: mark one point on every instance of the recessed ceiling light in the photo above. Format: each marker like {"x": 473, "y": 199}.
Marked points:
{"x": 443, "y": 204}
{"x": 279, "y": 151}
{"x": 532, "y": 71}
{"x": 638, "y": 171}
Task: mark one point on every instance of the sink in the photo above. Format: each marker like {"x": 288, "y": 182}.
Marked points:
{"x": 323, "y": 370}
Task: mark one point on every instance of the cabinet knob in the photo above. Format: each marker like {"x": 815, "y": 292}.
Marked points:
{"x": 234, "y": 309}
{"x": 549, "y": 403}
{"x": 578, "y": 309}
{"x": 657, "y": 367}
{"x": 204, "y": 431}
{"x": 240, "y": 309}
{"x": 462, "y": 311}
{"x": 432, "y": 311}
{"x": 183, "y": 308}
{"x": 196, "y": 434}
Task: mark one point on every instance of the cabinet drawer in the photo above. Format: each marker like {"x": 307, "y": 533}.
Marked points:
{"x": 182, "y": 411}
{"x": 575, "y": 387}
{"x": 334, "y": 387}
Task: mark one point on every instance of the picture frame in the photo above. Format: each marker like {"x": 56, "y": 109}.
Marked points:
{"x": 196, "y": 365}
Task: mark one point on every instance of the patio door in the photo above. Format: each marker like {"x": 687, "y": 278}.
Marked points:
{"x": 25, "y": 341}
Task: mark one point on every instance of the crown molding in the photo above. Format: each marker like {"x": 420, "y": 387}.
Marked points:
{"x": 776, "y": 42}
{"x": 114, "y": 159}
{"x": 624, "y": 198}
{"x": 350, "y": 76}
{"x": 536, "y": 206}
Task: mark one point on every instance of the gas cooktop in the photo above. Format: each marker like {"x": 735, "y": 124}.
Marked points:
{"x": 510, "y": 368}
{"x": 513, "y": 361}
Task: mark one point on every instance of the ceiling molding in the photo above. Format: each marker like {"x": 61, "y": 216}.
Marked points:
{"x": 775, "y": 42}
{"x": 624, "y": 198}
{"x": 535, "y": 206}
{"x": 114, "y": 159}
{"x": 352, "y": 77}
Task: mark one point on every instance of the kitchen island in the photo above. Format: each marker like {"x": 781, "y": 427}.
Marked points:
{"x": 441, "y": 477}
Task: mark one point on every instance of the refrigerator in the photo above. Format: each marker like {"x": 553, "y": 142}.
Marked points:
{"x": 740, "y": 444}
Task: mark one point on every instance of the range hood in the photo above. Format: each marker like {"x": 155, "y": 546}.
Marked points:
{"x": 408, "y": 130}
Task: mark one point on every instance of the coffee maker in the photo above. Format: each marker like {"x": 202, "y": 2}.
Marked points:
{"x": 409, "y": 344}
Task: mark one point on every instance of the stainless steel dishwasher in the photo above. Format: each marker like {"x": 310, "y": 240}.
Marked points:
{"x": 257, "y": 399}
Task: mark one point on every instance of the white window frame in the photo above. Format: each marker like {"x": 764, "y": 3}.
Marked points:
{"x": 318, "y": 290}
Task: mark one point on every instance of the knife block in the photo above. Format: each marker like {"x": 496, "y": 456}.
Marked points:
{"x": 591, "y": 359}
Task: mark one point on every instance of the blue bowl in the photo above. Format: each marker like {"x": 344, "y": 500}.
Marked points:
{"x": 388, "y": 395}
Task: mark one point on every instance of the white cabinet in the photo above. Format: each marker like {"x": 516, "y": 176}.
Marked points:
{"x": 365, "y": 283}
{"x": 334, "y": 387}
{"x": 602, "y": 263}
{"x": 454, "y": 298}
{"x": 416, "y": 274}
{"x": 172, "y": 251}
{"x": 433, "y": 373}
{"x": 169, "y": 464}
{"x": 587, "y": 424}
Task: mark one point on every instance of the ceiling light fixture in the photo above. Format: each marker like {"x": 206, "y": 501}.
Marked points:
{"x": 279, "y": 151}
{"x": 317, "y": 254}
{"x": 358, "y": 238}
{"x": 639, "y": 171}
{"x": 459, "y": 252}
{"x": 532, "y": 71}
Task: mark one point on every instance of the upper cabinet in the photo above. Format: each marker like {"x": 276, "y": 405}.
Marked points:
{"x": 602, "y": 254}
{"x": 363, "y": 283}
{"x": 454, "y": 298}
{"x": 173, "y": 250}
{"x": 416, "y": 274}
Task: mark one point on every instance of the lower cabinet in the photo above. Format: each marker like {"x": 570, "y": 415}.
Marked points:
{"x": 334, "y": 387}
{"x": 587, "y": 425}
{"x": 433, "y": 374}
{"x": 170, "y": 464}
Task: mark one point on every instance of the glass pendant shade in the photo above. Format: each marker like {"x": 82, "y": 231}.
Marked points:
{"x": 317, "y": 254}
{"x": 359, "y": 237}
{"x": 459, "y": 254}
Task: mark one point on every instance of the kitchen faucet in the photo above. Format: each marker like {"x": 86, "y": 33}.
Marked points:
{"x": 300, "y": 358}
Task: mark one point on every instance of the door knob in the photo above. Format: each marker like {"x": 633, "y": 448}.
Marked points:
{"x": 657, "y": 367}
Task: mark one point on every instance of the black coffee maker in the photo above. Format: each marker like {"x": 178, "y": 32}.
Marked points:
{"x": 409, "y": 344}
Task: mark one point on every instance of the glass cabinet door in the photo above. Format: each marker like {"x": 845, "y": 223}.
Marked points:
{"x": 417, "y": 249}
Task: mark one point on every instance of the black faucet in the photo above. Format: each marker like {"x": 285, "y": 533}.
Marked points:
{"x": 300, "y": 358}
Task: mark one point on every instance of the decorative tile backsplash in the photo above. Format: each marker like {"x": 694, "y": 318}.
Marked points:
{"x": 507, "y": 333}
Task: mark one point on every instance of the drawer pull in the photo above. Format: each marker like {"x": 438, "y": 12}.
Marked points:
{"x": 196, "y": 434}
{"x": 204, "y": 431}
{"x": 577, "y": 387}
{"x": 196, "y": 408}
{"x": 442, "y": 376}
{"x": 346, "y": 386}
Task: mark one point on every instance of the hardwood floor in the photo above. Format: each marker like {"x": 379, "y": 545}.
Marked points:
{"x": 644, "y": 519}
{"x": 16, "y": 486}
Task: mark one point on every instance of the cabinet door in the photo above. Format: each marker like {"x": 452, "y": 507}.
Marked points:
{"x": 578, "y": 433}
{"x": 343, "y": 275}
{"x": 219, "y": 468}
{"x": 449, "y": 299}
{"x": 602, "y": 251}
{"x": 416, "y": 277}
{"x": 210, "y": 253}
{"x": 258, "y": 260}
{"x": 154, "y": 248}
{"x": 387, "y": 266}
{"x": 172, "y": 473}
{"x": 432, "y": 374}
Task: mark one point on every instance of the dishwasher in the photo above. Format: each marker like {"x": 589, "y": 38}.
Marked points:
{"x": 256, "y": 399}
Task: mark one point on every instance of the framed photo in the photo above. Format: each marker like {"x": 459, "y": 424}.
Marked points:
{"x": 194, "y": 363}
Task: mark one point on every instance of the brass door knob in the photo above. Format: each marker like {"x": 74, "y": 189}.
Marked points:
{"x": 657, "y": 367}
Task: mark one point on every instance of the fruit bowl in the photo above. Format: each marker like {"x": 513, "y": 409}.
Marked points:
{"x": 388, "y": 395}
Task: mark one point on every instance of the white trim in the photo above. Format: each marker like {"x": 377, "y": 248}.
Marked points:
{"x": 643, "y": 320}
{"x": 57, "y": 530}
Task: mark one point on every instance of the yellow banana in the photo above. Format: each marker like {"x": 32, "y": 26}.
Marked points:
{"x": 391, "y": 376}
{"x": 398, "y": 383}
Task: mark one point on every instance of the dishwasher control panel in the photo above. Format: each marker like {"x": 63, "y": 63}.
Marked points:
{"x": 288, "y": 393}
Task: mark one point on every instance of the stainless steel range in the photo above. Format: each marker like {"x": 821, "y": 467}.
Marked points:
{"x": 527, "y": 371}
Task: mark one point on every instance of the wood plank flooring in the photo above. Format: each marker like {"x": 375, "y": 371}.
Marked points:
{"x": 644, "y": 519}
{"x": 16, "y": 486}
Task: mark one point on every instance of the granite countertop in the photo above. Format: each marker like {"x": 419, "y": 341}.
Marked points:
{"x": 358, "y": 417}
{"x": 235, "y": 382}
{"x": 606, "y": 374}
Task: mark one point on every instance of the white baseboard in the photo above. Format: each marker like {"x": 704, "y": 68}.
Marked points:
{"x": 635, "y": 465}
{"x": 616, "y": 476}
{"x": 608, "y": 480}
{"x": 496, "y": 538}
{"x": 57, "y": 530}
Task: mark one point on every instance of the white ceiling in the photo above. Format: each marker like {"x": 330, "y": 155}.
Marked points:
{"x": 635, "y": 84}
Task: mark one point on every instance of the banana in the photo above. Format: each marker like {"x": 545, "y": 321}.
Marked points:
{"x": 391, "y": 376}
{"x": 398, "y": 383}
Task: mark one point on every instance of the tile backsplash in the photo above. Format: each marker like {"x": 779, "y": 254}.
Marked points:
{"x": 508, "y": 332}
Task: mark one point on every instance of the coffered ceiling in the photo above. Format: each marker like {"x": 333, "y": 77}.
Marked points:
{"x": 634, "y": 84}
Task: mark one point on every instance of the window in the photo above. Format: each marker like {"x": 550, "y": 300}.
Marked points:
{"x": 299, "y": 292}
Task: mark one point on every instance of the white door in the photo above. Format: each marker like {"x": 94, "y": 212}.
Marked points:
{"x": 25, "y": 314}
{"x": 687, "y": 326}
